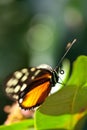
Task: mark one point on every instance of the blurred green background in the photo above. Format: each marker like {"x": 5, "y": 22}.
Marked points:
{"x": 36, "y": 32}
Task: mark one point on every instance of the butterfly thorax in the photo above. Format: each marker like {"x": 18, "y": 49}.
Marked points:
{"x": 55, "y": 78}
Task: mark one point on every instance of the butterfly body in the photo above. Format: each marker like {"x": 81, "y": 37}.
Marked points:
{"x": 31, "y": 86}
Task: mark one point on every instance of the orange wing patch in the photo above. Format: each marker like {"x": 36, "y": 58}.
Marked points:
{"x": 35, "y": 96}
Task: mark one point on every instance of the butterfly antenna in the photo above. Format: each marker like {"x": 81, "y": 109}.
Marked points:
{"x": 69, "y": 45}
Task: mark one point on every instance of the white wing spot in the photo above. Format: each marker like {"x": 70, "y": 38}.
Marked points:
{"x": 17, "y": 88}
{"x": 20, "y": 100}
{"x": 9, "y": 83}
{"x": 24, "y": 70}
{"x": 37, "y": 72}
{"x": 23, "y": 87}
{"x": 32, "y": 77}
{"x": 32, "y": 69}
{"x": 9, "y": 90}
{"x": 15, "y": 96}
{"x": 24, "y": 78}
{"x": 12, "y": 81}
{"x": 27, "y": 73}
{"x": 18, "y": 74}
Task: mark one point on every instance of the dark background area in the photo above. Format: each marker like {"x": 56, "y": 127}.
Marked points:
{"x": 36, "y": 32}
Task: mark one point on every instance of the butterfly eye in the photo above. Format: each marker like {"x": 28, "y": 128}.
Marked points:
{"x": 61, "y": 71}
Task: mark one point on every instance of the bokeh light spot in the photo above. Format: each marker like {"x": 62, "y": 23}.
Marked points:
{"x": 40, "y": 37}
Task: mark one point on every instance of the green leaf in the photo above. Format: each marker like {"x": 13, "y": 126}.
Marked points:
{"x": 23, "y": 125}
{"x": 61, "y": 122}
{"x": 46, "y": 122}
{"x": 64, "y": 109}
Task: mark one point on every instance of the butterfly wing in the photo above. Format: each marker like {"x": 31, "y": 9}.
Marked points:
{"x": 15, "y": 82}
{"x": 36, "y": 96}
{"x": 22, "y": 85}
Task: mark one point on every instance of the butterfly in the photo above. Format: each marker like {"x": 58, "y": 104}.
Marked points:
{"x": 31, "y": 86}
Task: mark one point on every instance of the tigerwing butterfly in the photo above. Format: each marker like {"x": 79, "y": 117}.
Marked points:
{"x": 31, "y": 86}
